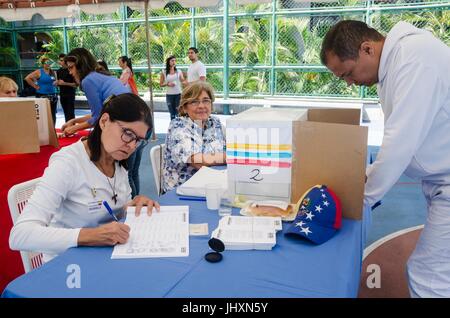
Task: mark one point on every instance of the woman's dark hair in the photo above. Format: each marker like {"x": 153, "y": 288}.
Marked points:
{"x": 168, "y": 64}
{"x": 84, "y": 61}
{"x": 125, "y": 107}
{"x": 103, "y": 65}
{"x": 345, "y": 38}
{"x": 126, "y": 59}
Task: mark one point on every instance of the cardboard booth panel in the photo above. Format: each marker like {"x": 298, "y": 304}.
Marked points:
{"x": 334, "y": 155}
{"x": 42, "y": 127}
{"x": 19, "y": 132}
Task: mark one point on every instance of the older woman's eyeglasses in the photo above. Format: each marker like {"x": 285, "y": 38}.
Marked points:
{"x": 128, "y": 136}
{"x": 197, "y": 102}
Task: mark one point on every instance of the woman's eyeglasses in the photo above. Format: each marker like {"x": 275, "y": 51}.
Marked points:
{"x": 128, "y": 136}
{"x": 196, "y": 102}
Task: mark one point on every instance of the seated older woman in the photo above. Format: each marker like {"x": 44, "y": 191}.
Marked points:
{"x": 195, "y": 138}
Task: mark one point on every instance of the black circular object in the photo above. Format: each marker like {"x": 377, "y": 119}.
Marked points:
{"x": 213, "y": 257}
{"x": 216, "y": 244}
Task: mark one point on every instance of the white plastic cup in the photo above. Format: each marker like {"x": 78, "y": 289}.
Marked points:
{"x": 213, "y": 193}
{"x": 225, "y": 207}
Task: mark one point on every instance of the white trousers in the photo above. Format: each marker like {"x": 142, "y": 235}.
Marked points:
{"x": 428, "y": 267}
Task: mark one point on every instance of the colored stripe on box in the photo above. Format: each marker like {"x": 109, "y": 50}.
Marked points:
{"x": 270, "y": 155}
{"x": 255, "y": 162}
{"x": 236, "y": 146}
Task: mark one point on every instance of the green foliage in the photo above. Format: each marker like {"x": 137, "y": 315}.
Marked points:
{"x": 209, "y": 35}
{"x": 250, "y": 43}
{"x": 298, "y": 38}
{"x": 103, "y": 42}
{"x": 55, "y": 47}
{"x": 8, "y": 56}
{"x": 435, "y": 21}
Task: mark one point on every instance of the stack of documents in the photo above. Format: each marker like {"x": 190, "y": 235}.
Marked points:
{"x": 248, "y": 233}
{"x": 163, "y": 234}
{"x": 195, "y": 186}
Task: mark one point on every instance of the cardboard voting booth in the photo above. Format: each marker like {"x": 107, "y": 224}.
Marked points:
{"x": 278, "y": 154}
{"x": 26, "y": 124}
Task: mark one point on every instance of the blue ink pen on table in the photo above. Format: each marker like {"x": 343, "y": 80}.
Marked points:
{"x": 110, "y": 211}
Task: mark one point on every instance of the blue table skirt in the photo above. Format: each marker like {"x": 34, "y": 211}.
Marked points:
{"x": 293, "y": 268}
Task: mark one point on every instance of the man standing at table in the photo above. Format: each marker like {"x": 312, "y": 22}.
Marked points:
{"x": 67, "y": 87}
{"x": 197, "y": 70}
{"x": 412, "y": 70}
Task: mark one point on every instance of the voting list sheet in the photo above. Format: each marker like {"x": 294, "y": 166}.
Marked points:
{"x": 163, "y": 234}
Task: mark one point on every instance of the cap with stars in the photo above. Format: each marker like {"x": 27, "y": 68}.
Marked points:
{"x": 319, "y": 216}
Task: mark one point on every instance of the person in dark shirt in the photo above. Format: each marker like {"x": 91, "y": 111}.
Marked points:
{"x": 67, "y": 87}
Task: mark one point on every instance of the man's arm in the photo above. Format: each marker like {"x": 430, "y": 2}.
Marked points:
{"x": 415, "y": 105}
{"x": 62, "y": 83}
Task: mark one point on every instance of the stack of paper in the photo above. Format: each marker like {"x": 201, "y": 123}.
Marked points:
{"x": 195, "y": 186}
{"x": 163, "y": 234}
{"x": 248, "y": 233}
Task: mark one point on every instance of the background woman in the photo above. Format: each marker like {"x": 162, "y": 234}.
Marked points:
{"x": 42, "y": 80}
{"x": 172, "y": 78}
{"x": 127, "y": 76}
{"x": 96, "y": 84}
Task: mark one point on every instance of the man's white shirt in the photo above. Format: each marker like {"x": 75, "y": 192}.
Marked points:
{"x": 195, "y": 71}
{"x": 414, "y": 91}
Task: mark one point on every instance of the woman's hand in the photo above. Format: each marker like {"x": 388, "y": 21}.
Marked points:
{"x": 68, "y": 124}
{"x": 141, "y": 200}
{"x": 105, "y": 235}
{"x": 68, "y": 131}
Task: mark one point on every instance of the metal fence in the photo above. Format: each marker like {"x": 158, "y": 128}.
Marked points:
{"x": 269, "y": 49}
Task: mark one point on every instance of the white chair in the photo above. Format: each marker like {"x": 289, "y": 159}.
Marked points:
{"x": 18, "y": 197}
{"x": 157, "y": 160}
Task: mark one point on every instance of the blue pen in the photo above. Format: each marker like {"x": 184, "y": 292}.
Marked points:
{"x": 110, "y": 211}
{"x": 192, "y": 199}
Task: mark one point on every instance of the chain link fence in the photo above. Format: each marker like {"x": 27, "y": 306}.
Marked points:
{"x": 271, "y": 48}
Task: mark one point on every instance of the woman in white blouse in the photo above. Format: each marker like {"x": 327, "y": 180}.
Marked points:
{"x": 66, "y": 207}
{"x": 172, "y": 78}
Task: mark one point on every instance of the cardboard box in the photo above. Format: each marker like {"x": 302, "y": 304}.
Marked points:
{"x": 276, "y": 153}
{"x": 26, "y": 124}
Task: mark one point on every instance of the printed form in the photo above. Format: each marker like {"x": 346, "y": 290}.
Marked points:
{"x": 163, "y": 234}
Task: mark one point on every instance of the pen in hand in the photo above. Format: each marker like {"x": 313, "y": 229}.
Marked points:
{"x": 110, "y": 211}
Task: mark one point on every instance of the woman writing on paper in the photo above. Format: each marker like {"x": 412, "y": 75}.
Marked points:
{"x": 66, "y": 208}
{"x": 195, "y": 138}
